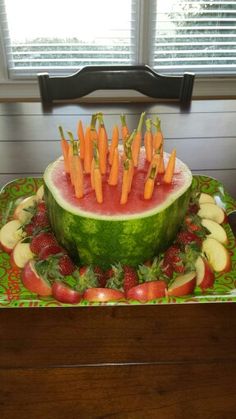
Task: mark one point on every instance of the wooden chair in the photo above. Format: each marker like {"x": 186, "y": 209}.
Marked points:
{"x": 139, "y": 77}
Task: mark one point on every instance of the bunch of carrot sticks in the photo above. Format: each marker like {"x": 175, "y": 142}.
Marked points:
{"x": 91, "y": 154}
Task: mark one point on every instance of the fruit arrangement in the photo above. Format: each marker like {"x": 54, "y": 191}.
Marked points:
{"x": 198, "y": 253}
{"x": 134, "y": 193}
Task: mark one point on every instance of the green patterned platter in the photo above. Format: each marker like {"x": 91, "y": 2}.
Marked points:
{"x": 13, "y": 294}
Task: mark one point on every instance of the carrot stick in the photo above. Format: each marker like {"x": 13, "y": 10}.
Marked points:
{"x": 77, "y": 170}
{"x": 161, "y": 169}
{"x": 70, "y": 156}
{"x": 158, "y": 136}
{"x": 131, "y": 173}
{"x": 137, "y": 140}
{"x": 128, "y": 145}
{"x": 148, "y": 140}
{"x": 102, "y": 146}
{"x": 114, "y": 172}
{"x": 92, "y": 173}
{"x": 65, "y": 149}
{"x": 88, "y": 151}
{"x": 156, "y": 158}
{"x": 150, "y": 183}
{"x": 93, "y": 131}
{"x": 124, "y": 128}
{"x": 80, "y": 134}
{"x": 170, "y": 167}
{"x": 125, "y": 183}
{"x": 97, "y": 177}
{"x": 114, "y": 143}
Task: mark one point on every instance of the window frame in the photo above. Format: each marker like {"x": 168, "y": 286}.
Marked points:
{"x": 205, "y": 86}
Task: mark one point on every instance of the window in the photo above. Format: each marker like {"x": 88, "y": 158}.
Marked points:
{"x": 172, "y": 36}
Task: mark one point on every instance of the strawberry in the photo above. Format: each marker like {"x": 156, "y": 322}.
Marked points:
{"x": 40, "y": 241}
{"x": 101, "y": 276}
{"x": 130, "y": 278}
{"x": 40, "y": 220}
{"x": 66, "y": 266}
{"x": 41, "y": 207}
{"x": 174, "y": 258}
{"x": 47, "y": 251}
{"x": 185, "y": 237}
{"x": 86, "y": 278}
{"x": 29, "y": 229}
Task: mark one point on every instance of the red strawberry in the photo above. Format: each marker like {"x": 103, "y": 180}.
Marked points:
{"x": 188, "y": 237}
{"x": 40, "y": 219}
{"x": 174, "y": 258}
{"x": 40, "y": 241}
{"x": 167, "y": 269}
{"x": 29, "y": 229}
{"x": 130, "y": 278}
{"x": 47, "y": 251}
{"x": 41, "y": 207}
{"x": 101, "y": 276}
{"x": 66, "y": 266}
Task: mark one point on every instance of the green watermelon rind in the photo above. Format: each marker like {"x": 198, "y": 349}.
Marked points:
{"x": 106, "y": 240}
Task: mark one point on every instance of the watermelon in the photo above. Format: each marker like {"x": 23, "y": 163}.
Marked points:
{"x": 107, "y": 233}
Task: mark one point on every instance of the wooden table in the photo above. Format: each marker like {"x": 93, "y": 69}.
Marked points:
{"x": 168, "y": 362}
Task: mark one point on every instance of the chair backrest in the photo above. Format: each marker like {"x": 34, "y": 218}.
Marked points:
{"x": 140, "y": 78}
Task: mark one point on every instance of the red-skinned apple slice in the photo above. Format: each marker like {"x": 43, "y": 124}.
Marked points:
{"x": 10, "y": 234}
{"x": 217, "y": 255}
{"x": 21, "y": 254}
{"x": 212, "y": 212}
{"x": 34, "y": 282}
{"x": 147, "y": 291}
{"x": 183, "y": 285}
{"x": 206, "y": 198}
{"x": 20, "y": 212}
{"x": 205, "y": 274}
{"x": 63, "y": 293}
{"x": 216, "y": 231}
{"x": 102, "y": 295}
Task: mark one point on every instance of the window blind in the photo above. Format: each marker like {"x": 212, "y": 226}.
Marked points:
{"x": 62, "y": 37}
{"x": 198, "y": 36}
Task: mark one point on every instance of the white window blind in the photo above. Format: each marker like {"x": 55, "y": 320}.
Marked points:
{"x": 62, "y": 37}
{"x": 197, "y": 35}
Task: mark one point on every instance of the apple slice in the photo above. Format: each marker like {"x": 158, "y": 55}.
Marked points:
{"x": 205, "y": 274}
{"x": 216, "y": 231}
{"x": 34, "y": 282}
{"x": 10, "y": 234}
{"x": 206, "y": 198}
{"x": 212, "y": 212}
{"x": 183, "y": 285}
{"x": 217, "y": 255}
{"x": 21, "y": 212}
{"x": 40, "y": 193}
{"x": 21, "y": 254}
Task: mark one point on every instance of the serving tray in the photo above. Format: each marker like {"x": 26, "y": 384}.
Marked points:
{"x": 13, "y": 294}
